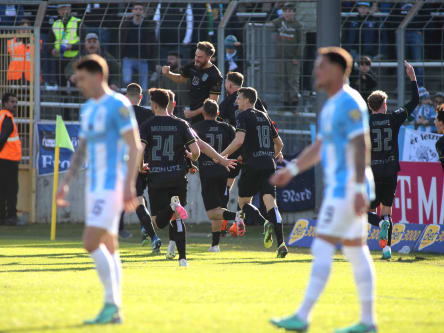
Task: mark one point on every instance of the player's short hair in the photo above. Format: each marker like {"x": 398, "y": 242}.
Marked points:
{"x": 211, "y": 107}
{"x": 249, "y": 93}
{"x": 93, "y": 63}
{"x": 207, "y": 47}
{"x": 134, "y": 89}
{"x": 171, "y": 95}
{"x": 160, "y": 97}
{"x": 440, "y": 108}
{"x": 174, "y": 54}
{"x": 236, "y": 78}
{"x": 6, "y": 96}
{"x": 440, "y": 114}
{"x": 134, "y": 4}
{"x": 364, "y": 60}
{"x": 376, "y": 99}
{"x": 339, "y": 56}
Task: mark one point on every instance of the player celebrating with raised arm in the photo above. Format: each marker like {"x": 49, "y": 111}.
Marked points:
{"x": 213, "y": 177}
{"x": 260, "y": 145}
{"x": 165, "y": 137}
{"x": 206, "y": 80}
{"x": 343, "y": 147}
{"x": 110, "y": 138}
{"x": 384, "y": 131}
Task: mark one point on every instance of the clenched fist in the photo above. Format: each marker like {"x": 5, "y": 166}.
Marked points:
{"x": 165, "y": 70}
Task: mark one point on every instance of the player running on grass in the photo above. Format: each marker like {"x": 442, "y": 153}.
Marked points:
{"x": 110, "y": 138}
{"x": 384, "y": 131}
{"x": 260, "y": 144}
{"x": 213, "y": 177}
{"x": 343, "y": 147}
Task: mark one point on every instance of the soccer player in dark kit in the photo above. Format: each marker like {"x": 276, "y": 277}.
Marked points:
{"x": 213, "y": 177}
{"x": 260, "y": 145}
{"x": 384, "y": 131}
{"x": 164, "y": 139}
{"x": 206, "y": 80}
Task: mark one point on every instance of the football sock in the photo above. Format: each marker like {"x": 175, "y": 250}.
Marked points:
{"x": 363, "y": 270}
{"x": 164, "y": 217}
{"x": 373, "y": 219}
{"x": 322, "y": 258}
{"x": 252, "y": 211}
{"x": 145, "y": 220}
{"x": 227, "y": 196}
{"x": 121, "y": 221}
{"x": 274, "y": 217}
{"x": 179, "y": 236}
{"x": 389, "y": 240}
{"x": 118, "y": 272}
{"x": 105, "y": 268}
{"x": 229, "y": 215}
{"x": 216, "y": 238}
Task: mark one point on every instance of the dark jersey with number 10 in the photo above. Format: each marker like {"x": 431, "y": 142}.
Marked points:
{"x": 165, "y": 138}
{"x": 219, "y": 136}
{"x": 384, "y": 131}
{"x": 258, "y": 148}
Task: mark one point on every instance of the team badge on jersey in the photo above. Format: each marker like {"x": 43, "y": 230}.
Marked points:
{"x": 204, "y": 77}
{"x": 124, "y": 111}
{"x": 355, "y": 114}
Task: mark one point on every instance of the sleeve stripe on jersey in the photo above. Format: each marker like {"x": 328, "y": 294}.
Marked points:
{"x": 357, "y": 132}
{"x": 126, "y": 128}
{"x": 215, "y": 92}
{"x": 190, "y": 142}
{"x": 240, "y": 130}
{"x": 144, "y": 141}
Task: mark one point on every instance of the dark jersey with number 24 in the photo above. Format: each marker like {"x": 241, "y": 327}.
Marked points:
{"x": 258, "y": 148}
{"x": 219, "y": 136}
{"x": 165, "y": 138}
{"x": 384, "y": 131}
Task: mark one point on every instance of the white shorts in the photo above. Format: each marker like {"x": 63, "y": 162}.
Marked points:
{"x": 103, "y": 210}
{"x": 337, "y": 218}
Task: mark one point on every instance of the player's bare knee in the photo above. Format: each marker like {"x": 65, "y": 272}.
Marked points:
{"x": 269, "y": 201}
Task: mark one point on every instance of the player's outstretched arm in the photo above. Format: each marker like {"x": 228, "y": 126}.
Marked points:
{"x": 414, "y": 101}
{"x": 361, "y": 153}
{"x": 237, "y": 142}
{"x": 132, "y": 139}
{"x": 278, "y": 145}
{"x": 309, "y": 157}
{"x": 215, "y": 156}
{"x": 76, "y": 162}
{"x": 177, "y": 78}
{"x": 195, "y": 151}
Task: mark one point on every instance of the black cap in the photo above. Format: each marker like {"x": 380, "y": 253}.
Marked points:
{"x": 289, "y": 5}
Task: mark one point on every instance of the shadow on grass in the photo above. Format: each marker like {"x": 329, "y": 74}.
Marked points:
{"x": 41, "y": 328}
{"x": 50, "y": 255}
{"x": 275, "y": 261}
{"x": 47, "y": 270}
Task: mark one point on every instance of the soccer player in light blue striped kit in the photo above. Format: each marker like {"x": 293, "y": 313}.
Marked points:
{"x": 109, "y": 137}
{"x": 343, "y": 147}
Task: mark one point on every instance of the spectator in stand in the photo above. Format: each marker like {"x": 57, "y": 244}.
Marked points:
{"x": 438, "y": 99}
{"x": 425, "y": 112}
{"x": 439, "y": 123}
{"x": 138, "y": 42}
{"x": 361, "y": 34}
{"x": 92, "y": 46}
{"x": 48, "y": 62}
{"x": 65, "y": 40}
{"x": 180, "y": 89}
{"x": 289, "y": 53}
{"x": 365, "y": 83}
{"x": 10, "y": 14}
{"x": 174, "y": 29}
{"x": 233, "y": 56}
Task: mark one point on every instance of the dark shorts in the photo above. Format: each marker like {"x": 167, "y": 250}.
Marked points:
{"x": 160, "y": 197}
{"x": 214, "y": 192}
{"x": 141, "y": 184}
{"x": 235, "y": 172}
{"x": 385, "y": 188}
{"x": 253, "y": 181}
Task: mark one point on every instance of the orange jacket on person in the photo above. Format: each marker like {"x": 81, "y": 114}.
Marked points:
{"x": 20, "y": 62}
{"x": 12, "y": 150}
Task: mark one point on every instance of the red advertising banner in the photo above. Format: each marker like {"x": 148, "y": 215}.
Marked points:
{"x": 419, "y": 196}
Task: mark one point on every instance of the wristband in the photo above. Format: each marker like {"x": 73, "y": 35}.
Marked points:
{"x": 360, "y": 188}
{"x": 293, "y": 168}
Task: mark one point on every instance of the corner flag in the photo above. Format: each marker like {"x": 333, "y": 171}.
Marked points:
{"x": 62, "y": 140}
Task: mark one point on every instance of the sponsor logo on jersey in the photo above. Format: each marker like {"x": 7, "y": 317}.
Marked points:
{"x": 195, "y": 81}
{"x": 429, "y": 236}
{"x": 298, "y": 232}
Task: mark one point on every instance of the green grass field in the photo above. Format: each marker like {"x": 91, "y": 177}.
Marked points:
{"x": 52, "y": 286}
